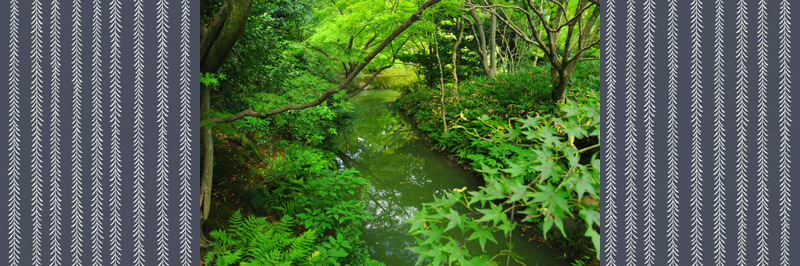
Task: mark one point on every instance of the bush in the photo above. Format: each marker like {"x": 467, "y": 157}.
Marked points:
{"x": 485, "y": 106}
{"x": 310, "y": 125}
{"x": 538, "y": 159}
{"x": 534, "y": 170}
{"x": 307, "y": 186}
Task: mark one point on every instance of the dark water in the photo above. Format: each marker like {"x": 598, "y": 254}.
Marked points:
{"x": 404, "y": 173}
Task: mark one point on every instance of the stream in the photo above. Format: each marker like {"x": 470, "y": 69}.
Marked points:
{"x": 403, "y": 173}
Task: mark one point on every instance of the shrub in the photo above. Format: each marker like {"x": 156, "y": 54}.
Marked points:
{"x": 534, "y": 169}
{"x": 308, "y": 186}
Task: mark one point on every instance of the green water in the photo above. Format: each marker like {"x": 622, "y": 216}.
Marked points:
{"x": 404, "y": 173}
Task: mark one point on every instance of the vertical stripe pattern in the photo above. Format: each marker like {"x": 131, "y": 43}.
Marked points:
{"x": 724, "y": 194}
{"x": 631, "y": 199}
{"x": 784, "y": 119}
{"x": 79, "y": 178}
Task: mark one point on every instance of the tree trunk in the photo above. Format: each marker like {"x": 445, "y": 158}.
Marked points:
{"x": 455, "y": 54}
{"x": 478, "y": 32}
{"x": 441, "y": 83}
{"x": 559, "y": 91}
{"x": 493, "y": 46}
{"x": 216, "y": 41}
{"x": 217, "y": 44}
{"x": 207, "y": 163}
{"x": 561, "y": 76}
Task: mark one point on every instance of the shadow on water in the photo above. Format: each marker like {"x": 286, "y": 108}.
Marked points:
{"x": 404, "y": 173}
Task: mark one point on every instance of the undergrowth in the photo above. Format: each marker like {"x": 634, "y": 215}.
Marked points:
{"x": 539, "y": 160}
{"x": 316, "y": 201}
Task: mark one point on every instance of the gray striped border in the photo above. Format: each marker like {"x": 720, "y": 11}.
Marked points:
{"x": 716, "y": 189}
{"x": 90, "y": 178}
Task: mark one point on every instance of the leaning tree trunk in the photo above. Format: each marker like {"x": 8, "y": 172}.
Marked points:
{"x": 207, "y": 143}
{"x": 483, "y": 51}
{"x": 216, "y": 41}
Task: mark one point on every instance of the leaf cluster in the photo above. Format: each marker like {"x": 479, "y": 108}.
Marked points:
{"x": 536, "y": 171}
{"x": 255, "y": 241}
{"x": 320, "y": 197}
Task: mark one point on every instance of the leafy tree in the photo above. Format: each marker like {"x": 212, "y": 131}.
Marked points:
{"x": 347, "y": 30}
{"x": 563, "y": 30}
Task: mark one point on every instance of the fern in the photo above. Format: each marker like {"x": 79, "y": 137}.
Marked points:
{"x": 255, "y": 241}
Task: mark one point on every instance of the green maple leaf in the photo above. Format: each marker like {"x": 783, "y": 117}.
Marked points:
{"x": 482, "y": 234}
{"x": 591, "y": 217}
{"x": 514, "y": 169}
{"x": 517, "y": 189}
{"x": 554, "y": 201}
{"x": 529, "y": 122}
{"x": 455, "y": 220}
{"x": 495, "y": 214}
{"x": 584, "y": 184}
{"x": 547, "y": 136}
{"x": 575, "y": 131}
{"x": 486, "y": 169}
{"x": 590, "y": 232}
{"x": 547, "y": 168}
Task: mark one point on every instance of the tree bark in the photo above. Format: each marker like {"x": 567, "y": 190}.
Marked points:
{"x": 561, "y": 80}
{"x": 493, "y": 45}
{"x": 206, "y": 141}
{"x": 233, "y": 19}
{"x": 455, "y": 53}
{"x": 480, "y": 34}
{"x": 441, "y": 83}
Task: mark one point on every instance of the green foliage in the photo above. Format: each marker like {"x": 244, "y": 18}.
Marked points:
{"x": 484, "y": 106}
{"x": 442, "y": 25}
{"x": 291, "y": 51}
{"x": 515, "y": 94}
{"x": 583, "y": 261}
{"x": 535, "y": 170}
{"x": 310, "y": 125}
{"x": 586, "y": 75}
{"x": 346, "y": 30}
{"x": 255, "y": 241}
{"x": 266, "y": 53}
{"x": 212, "y": 79}
{"x": 320, "y": 197}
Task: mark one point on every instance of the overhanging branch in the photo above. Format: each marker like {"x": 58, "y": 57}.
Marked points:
{"x": 388, "y": 40}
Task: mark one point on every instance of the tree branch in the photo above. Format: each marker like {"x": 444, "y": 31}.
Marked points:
{"x": 250, "y": 112}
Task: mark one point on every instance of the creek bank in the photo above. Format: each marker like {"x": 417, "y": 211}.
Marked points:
{"x": 573, "y": 246}
{"x": 404, "y": 172}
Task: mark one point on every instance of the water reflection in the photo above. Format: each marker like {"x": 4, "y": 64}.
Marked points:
{"x": 403, "y": 172}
